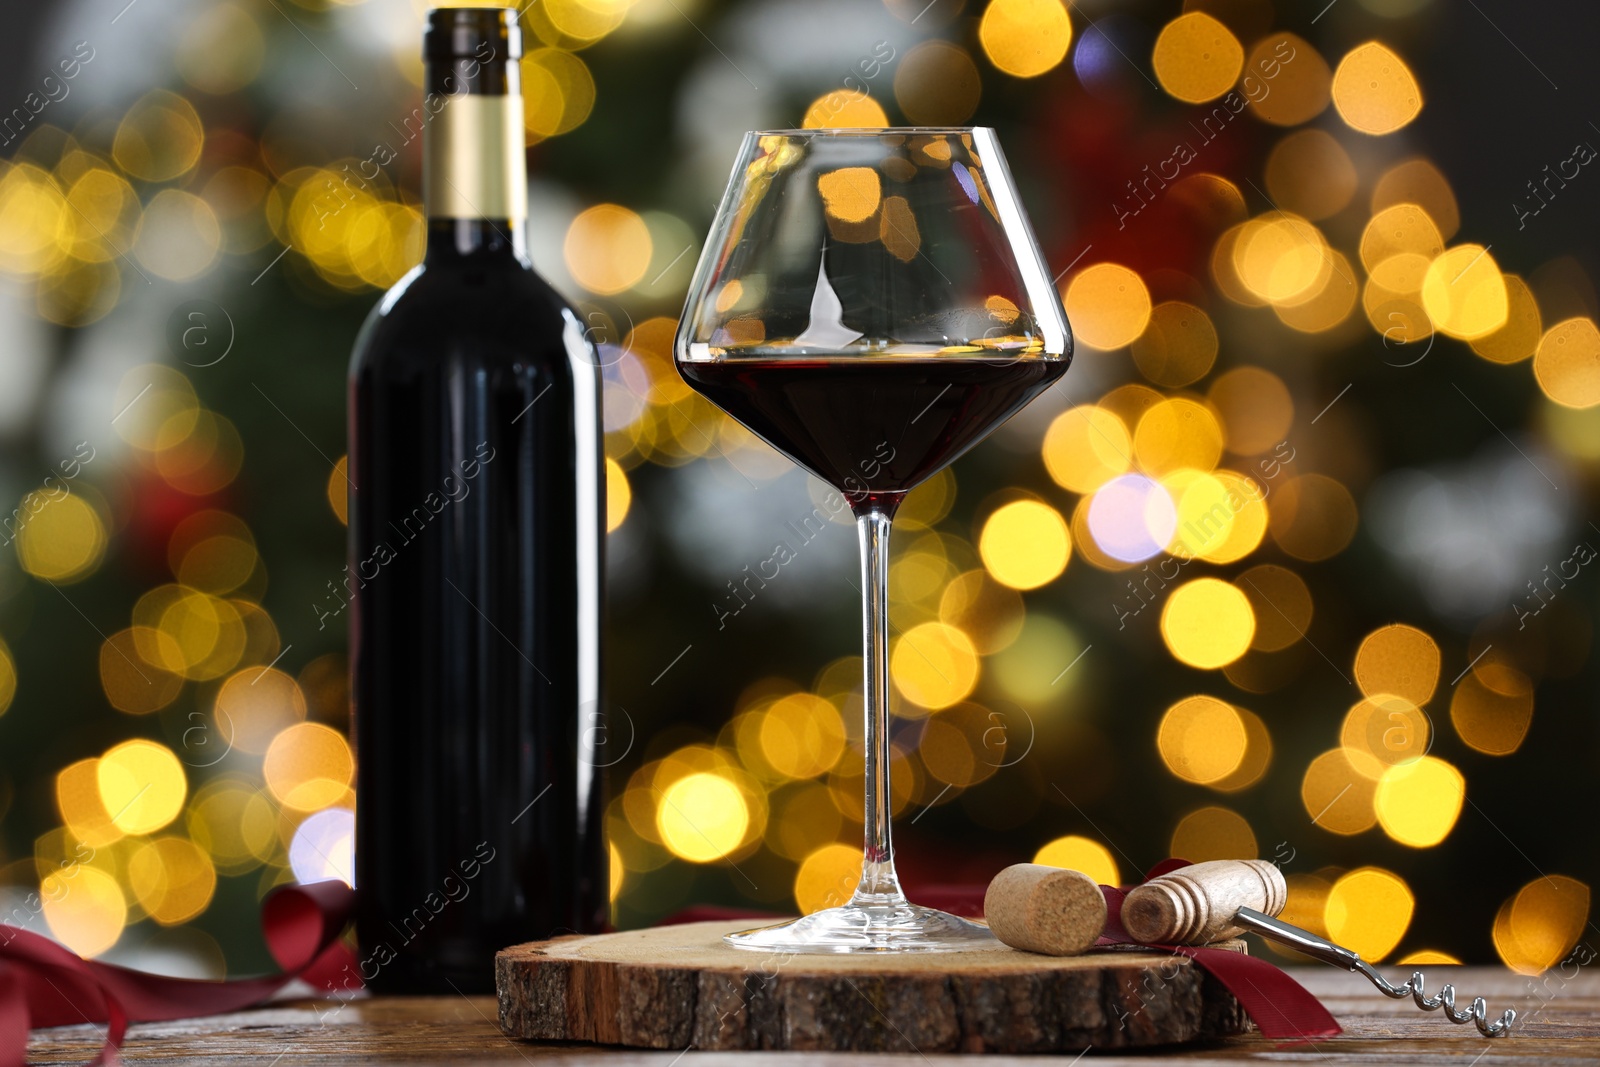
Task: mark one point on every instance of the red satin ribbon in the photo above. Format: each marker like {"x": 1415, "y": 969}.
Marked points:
{"x": 1280, "y": 1007}
{"x": 43, "y": 984}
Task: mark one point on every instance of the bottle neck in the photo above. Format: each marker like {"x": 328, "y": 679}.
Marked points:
{"x": 474, "y": 173}
{"x": 476, "y": 239}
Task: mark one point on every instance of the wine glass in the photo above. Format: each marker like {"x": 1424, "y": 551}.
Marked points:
{"x": 872, "y": 303}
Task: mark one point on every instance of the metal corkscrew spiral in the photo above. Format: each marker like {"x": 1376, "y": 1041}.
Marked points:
{"x": 1339, "y": 956}
{"x": 1205, "y": 902}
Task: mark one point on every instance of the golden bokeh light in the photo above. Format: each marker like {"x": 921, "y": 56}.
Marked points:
{"x": 1374, "y": 91}
{"x": 1281, "y": 603}
{"x": 188, "y": 632}
{"x": 1224, "y": 268}
{"x": 308, "y": 766}
{"x": 1313, "y": 517}
{"x": 254, "y": 706}
{"x": 557, "y": 93}
{"x": 927, "y": 504}
{"x": 1219, "y": 517}
{"x": 1384, "y": 731}
{"x": 1540, "y": 925}
{"x": 1282, "y": 258}
{"x": 1332, "y": 304}
{"x": 218, "y": 565}
{"x": 1205, "y": 514}
{"x": 36, "y": 221}
{"x": 934, "y": 665}
{"x": 917, "y": 580}
{"x": 575, "y": 24}
{"x": 160, "y": 137}
{"x": 1177, "y": 433}
{"x": 338, "y": 489}
{"x": 1085, "y": 447}
{"x": 1207, "y": 623}
{"x": 1025, "y": 544}
{"x": 1417, "y": 181}
{"x": 1108, "y": 305}
{"x": 1257, "y": 756}
{"x": 1297, "y": 74}
{"x": 844, "y": 109}
{"x": 1305, "y": 904}
{"x": 619, "y": 494}
{"x": 235, "y": 824}
{"x": 1337, "y": 797}
{"x": 1425, "y": 956}
{"x": 1567, "y": 363}
{"x": 897, "y": 229}
{"x": 827, "y": 877}
{"x": 1310, "y": 174}
{"x": 1196, "y": 58}
{"x": 61, "y": 538}
{"x": 1076, "y": 853}
{"x": 1130, "y": 402}
{"x": 1464, "y": 293}
{"x": 851, "y": 194}
{"x": 1245, "y": 502}
{"x": 1392, "y": 298}
{"x": 1255, "y": 407}
{"x": 1492, "y": 707}
{"x": 106, "y": 201}
{"x": 1418, "y": 802}
{"x": 1213, "y": 833}
{"x": 802, "y": 735}
{"x": 82, "y": 810}
{"x": 1518, "y": 337}
{"x": 142, "y": 786}
{"x": 1369, "y": 911}
{"x": 989, "y": 613}
{"x": 1025, "y": 38}
{"x": 963, "y": 745}
{"x": 8, "y": 677}
{"x": 702, "y": 817}
{"x": 221, "y": 49}
{"x": 1399, "y": 229}
{"x": 1398, "y": 659}
{"x": 607, "y": 249}
{"x": 1202, "y": 739}
{"x": 937, "y": 84}
{"x": 84, "y": 908}
{"x": 1178, "y": 345}
{"x": 172, "y": 878}
{"x": 132, "y": 683}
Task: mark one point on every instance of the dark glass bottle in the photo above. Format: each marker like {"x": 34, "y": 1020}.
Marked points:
{"x": 476, "y": 537}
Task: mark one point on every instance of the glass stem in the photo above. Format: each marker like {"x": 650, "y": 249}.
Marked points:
{"x": 879, "y": 886}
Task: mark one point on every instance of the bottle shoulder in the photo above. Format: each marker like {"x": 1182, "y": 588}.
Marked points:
{"x": 499, "y": 312}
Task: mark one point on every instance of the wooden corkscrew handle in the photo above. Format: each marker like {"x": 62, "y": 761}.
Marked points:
{"x": 1195, "y": 905}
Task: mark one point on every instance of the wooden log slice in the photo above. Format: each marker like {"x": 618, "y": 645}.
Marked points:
{"x": 670, "y": 987}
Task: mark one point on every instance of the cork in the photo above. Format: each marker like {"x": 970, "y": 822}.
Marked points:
{"x": 1051, "y": 910}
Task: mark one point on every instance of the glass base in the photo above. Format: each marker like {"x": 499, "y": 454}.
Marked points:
{"x": 885, "y": 928}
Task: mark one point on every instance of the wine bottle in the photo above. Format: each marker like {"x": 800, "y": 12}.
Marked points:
{"x": 476, "y": 552}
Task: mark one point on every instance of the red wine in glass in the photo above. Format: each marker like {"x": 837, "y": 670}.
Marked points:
{"x": 872, "y": 427}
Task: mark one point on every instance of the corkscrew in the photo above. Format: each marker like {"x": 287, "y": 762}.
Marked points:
{"x": 1207, "y": 902}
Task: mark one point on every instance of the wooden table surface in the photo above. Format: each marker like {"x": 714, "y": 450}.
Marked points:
{"x": 1560, "y": 1024}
